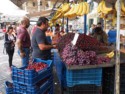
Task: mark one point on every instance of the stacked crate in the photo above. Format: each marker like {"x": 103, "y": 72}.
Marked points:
{"x": 32, "y": 82}
{"x": 84, "y": 81}
{"x": 78, "y": 81}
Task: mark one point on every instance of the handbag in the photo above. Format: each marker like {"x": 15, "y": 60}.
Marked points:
{"x": 7, "y": 45}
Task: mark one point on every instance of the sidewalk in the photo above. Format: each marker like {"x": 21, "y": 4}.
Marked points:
{"x": 5, "y": 74}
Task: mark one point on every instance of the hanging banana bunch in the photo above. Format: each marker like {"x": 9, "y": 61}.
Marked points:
{"x": 60, "y": 11}
{"x": 71, "y": 11}
{"x": 103, "y": 9}
{"x": 84, "y": 9}
{"x": 122, "y": 8}
{"x": 79, "y": 9}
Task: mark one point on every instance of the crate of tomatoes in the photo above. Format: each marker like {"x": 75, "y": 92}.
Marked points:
{"x": 33, "y": 73}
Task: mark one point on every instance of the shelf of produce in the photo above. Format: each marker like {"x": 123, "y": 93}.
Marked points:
{"x": 111, "y": 64}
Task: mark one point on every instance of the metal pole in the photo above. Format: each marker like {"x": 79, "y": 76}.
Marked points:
{"x": 63, "y": 22}
{"x": 67, "y": 30}
{"x": 85, "y": 22}
{"x": 117, "y": 65}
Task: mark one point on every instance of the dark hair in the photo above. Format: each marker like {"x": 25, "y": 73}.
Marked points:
{"x": 99, "y": 23}
{"x": 42, "y": 20}
{"x": 57, "y": 25}
{"x": 98, "y": 30}
{"x": 10, "y": 27}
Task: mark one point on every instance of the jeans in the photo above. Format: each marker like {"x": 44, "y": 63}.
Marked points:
{"x": 25, "y": 60}
{"x": 10, "y": 53}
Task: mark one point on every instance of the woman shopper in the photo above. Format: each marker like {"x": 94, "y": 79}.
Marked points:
{"x": 10, "y": 44}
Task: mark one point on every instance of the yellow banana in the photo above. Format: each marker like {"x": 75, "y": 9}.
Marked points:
{"x": 87, "y": 7}
{"x": 122, "y": 6}
{"x": 70, "y": 11}
{"x": 99, "y": 7}
{"x": 111, "y": 54}
{"x": 84, "y": 9}
{"x": 104, "y": 9}
{"x": 73, "y": 14}
{"x": 80, "y": 9}
{"x": 65, "y": 7}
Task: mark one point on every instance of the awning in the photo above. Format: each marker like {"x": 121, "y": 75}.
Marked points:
{"x": 8, "y": 8}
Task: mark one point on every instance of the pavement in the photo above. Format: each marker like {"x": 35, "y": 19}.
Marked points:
{"x": 5, "y": 74}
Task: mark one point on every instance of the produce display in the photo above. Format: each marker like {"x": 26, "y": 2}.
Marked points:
{"x": 71, "y": 11}
{"x": 36, "y": 66}
{"x": 84, "y": 42}
{"x": 71, "y": 55}
{"x": 64, "y": 40}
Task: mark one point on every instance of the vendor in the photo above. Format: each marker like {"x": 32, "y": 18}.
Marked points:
{"x": 100, "y": 35}
{"x": 41, "y": 47}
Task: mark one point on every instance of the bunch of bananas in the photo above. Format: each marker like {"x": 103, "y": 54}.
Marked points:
{"x": 77, "y": 10}
{"x": 110, "y": 55}
{"x": 60, "y": 12}
{"x": 122, "y": 8}
{"x": 71, "y": 12}
{"x": 102, "y": 9}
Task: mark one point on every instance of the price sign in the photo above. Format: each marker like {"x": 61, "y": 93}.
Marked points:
{"x": 75, "y": 38}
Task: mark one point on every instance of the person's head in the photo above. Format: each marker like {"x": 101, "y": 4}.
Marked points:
{"x": 98, "y": 30}
{"x": 43, "y": 23}
{"x": 25, "y": 22}
{"x": 10, "y": 30}
{"x": 99, "y": 24}
{"x": 57, "y": 26}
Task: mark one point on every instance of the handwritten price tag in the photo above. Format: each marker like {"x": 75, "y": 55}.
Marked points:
{"x": 75, "y": 39}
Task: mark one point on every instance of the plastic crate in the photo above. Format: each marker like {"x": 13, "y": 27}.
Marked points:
{"x": 31, "y": 77}
{"x": 8, "y": 89}
{"x": 84, "y": 76}
{"x": 75, "y": 77}
{"x": 84, "y": 89}
{"x": 109, "y": 78}
{"x": 24, "y": 89}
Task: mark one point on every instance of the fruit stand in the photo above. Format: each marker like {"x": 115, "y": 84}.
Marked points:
{"x": 103, "y": 10}
{"x": 73, "y": 74}
{"x": 81, "y": 68}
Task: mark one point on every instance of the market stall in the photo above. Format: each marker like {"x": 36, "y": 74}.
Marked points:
{"x": 117, "y": 60}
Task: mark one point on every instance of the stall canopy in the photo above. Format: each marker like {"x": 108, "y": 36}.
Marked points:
{"x": 10, "y": 10}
